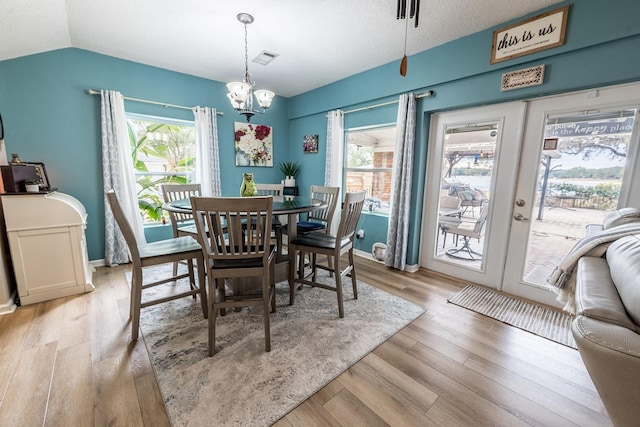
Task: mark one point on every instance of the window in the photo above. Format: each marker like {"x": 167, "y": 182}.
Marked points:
{"x": 369, "y": 164}
{"x": 163, "y": 151}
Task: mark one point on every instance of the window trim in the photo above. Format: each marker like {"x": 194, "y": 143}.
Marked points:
{"x": 172, "y": 122}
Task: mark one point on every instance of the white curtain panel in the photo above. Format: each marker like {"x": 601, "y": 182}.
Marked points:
{"x": 335, "y": 150}
{"x": 117, "y": 173}
{"x": 398, "y": 234}
{"x": 208, "y": 158}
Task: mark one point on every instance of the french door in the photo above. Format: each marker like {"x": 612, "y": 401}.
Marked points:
{"x": 512, "y": 187}
{"x": 472, "y": 160}
{"x": 578, "y": 163}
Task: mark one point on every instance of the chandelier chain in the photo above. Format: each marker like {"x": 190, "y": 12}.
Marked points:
{"x": 246, "y": 55}
{"x": 241, "y": 93}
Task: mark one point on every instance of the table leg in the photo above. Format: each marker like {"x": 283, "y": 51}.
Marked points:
{"x": 292, "y": 233}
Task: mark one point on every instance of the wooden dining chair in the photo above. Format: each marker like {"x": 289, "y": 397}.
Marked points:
{"x": 156, "y": 253}
{"x": 181, "y": 222}
{"x": 318, "y": 220}
{"x": 332, "y": 246}
{"x": 276, "y": 225}
{"x": 234, "y": 233}
{"x": 269, "y": 189}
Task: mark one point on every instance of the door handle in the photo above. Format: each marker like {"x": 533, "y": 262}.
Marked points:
{"x": 520, "y": 217}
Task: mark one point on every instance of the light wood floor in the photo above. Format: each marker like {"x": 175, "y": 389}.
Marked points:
{"x": 69, "y": 362}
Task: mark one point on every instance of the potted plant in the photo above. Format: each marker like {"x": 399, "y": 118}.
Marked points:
{"x": 289, "y": 169}
{"x": 32, "y": 186}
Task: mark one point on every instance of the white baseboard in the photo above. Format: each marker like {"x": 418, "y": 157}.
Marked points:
{"x": 9, "y": 306}
{"x": 363, "y": 254}
{"x": 97, "y": 263}
{"x": 408, "y": 268}
{"x": 412, "y": 268}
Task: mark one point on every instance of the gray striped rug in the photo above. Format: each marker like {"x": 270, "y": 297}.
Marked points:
{"x": 537, "y": 319}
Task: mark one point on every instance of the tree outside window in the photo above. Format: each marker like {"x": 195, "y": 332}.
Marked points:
{"x": 163, "y": 152}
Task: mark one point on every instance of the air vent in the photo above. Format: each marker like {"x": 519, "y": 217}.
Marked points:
{"x": 265, "y": 57}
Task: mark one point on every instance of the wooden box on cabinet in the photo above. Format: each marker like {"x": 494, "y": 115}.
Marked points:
{"x": 47, "y": 245}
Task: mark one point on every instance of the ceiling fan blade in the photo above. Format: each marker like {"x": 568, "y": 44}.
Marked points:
{"x": 417, "y": 13}
{"x": 403, "y": 9}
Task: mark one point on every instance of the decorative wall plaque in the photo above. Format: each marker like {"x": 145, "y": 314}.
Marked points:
{"x": 523, "y": 78}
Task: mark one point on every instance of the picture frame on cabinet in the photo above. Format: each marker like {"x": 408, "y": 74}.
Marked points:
{"x": 42, "y": 175}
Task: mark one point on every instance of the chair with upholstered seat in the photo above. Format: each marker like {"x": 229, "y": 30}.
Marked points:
{"x": 472, "y": 199}
{"x": 467, "y": 230}
{"x": 319, "y": 219}
{"x": 156, "y": 253}
{"x": 332, "y": 246}
{"x": 235, "y": 236}
{"x": 181, "y": 222}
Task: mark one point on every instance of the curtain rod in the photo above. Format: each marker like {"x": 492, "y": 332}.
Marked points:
{"x": 427, "y": 94}
{"x": 164, "y": 104}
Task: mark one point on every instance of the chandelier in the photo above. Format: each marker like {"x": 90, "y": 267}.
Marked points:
{"x": 241, "y": 93}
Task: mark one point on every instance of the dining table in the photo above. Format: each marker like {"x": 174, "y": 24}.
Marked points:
{"x": 291, "y": 206}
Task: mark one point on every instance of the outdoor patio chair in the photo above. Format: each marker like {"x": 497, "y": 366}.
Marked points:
{"x": 470, "y": 199}
{"x": 467, "y": 230}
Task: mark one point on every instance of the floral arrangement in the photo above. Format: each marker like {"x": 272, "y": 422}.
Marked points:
{"x": 253, "y": 145}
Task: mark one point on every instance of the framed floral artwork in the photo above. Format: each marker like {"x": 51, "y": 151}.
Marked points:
{"x": 310, "y": 144}
{"x": 253, "y": 145}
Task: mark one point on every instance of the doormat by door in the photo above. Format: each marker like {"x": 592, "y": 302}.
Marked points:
{"x": 537, "y": 319}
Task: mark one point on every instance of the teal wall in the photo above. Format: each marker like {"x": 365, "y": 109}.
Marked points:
{"x": 50, "y": 118}
{"x": 599, "y": 50}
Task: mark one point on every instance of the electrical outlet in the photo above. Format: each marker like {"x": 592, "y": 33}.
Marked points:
{"x": 360, "y": 234}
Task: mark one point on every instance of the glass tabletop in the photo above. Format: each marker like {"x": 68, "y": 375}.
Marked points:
{"x": 281, "y": 204}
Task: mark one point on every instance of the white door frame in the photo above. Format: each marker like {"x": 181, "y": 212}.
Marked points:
{"x": 590, "y": 102}
{"x": 510, "y": 117}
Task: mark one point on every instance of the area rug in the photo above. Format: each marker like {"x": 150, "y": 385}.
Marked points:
{"x": 242, "y": 385}
{"x": 537, "y": 319}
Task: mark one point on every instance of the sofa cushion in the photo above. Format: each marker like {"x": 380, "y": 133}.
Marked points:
{"x": 623, "y": 257}
{"x": 596, "y": 294}
{"x": 621, "y": 216}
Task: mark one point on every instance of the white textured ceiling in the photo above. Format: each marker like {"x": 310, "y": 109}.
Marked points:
{"x": 319, "y": 41}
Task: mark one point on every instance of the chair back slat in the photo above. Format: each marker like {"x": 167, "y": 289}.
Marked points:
{"x": 482, "y": 219}
{"x": 329, "y": 196}
{"x": 173, "y": 192}
{"x": 350, "y": 215}
{"x": 123, "y": 225}
{"x": 270, "y": 189}
{"x": 238, "y": 227}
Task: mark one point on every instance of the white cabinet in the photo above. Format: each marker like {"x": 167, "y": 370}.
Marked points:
{"x": 47, "y": 245}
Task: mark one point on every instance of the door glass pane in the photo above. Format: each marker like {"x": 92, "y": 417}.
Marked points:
{"x": 468, "y": 158}
{"x": 582, "y": 164}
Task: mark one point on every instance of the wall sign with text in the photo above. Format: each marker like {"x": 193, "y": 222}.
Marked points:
{"x": 533, "y": 35}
